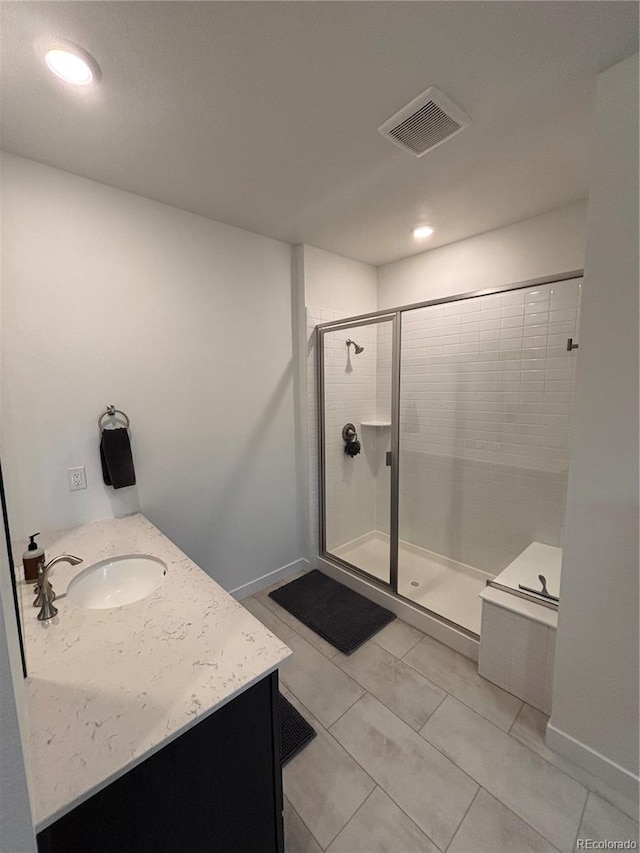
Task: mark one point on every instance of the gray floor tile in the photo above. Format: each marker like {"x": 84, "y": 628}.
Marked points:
{"x": 379, "y": 826}
{"x": 490, "y": 827}
{"x": 398, "y": 686}
{"x": 285, "y": 581}
{"x": 324, "y": 784}
{"x": 458, "y": 675}
{"x": 602, "y": 822}
{"x": 543, "y": 796}
{"x": 268, "y": 618}
{"x": 530, "y": 729}
{"x": 299, "y": 627}
{"x": 428, "y": 787}
{"x": 398, "y": 637}
{"x": 297, "y": 838}
{"x": 317, "y": 682}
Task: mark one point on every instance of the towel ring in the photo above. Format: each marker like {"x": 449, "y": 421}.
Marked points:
{"x": 112, "y": 412}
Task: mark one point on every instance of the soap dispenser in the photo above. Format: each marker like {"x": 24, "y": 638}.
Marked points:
{"x": 31, "y": 559}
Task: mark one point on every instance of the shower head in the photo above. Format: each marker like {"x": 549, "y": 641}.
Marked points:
{"x": 357, "y": 348}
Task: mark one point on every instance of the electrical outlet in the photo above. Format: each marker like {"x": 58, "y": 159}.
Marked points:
{"x": 77, "y": 478}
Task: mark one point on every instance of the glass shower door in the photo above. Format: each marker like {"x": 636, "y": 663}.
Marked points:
{"x": 355, "y": 389}
{"x": 485, "y": 399}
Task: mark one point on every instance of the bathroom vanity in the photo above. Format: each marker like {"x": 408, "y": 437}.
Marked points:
{"x": 217, "y": 787}
{"x": 152, "y": 726}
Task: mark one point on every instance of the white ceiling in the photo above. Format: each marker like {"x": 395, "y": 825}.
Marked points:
{"x": 265, "y": 114}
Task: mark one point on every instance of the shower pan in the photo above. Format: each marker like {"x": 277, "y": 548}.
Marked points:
{"x": 461, "y": 410}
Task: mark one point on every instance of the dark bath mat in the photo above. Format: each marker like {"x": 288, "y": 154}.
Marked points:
{"x": 295, "y": 731}
{"x": 341, "y": 616}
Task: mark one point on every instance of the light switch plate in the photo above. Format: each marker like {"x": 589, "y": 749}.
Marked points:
{"x": 77, "y": 478}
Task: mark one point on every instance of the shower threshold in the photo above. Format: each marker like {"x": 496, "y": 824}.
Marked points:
{"x": 443, "y": 586}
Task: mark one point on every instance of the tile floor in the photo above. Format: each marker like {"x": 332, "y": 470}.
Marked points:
{"x": 416, "y": 753}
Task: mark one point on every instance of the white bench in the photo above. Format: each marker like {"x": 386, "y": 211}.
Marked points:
{"x": 518, "y": 635}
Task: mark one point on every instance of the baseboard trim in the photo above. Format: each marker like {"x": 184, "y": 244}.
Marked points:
{"x": 264, "y": 581}
{"x": 415, "y": 616}
{"x": 604, "y": 768}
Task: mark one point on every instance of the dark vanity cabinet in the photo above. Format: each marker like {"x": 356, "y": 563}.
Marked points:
{"x": 215, "y": 789}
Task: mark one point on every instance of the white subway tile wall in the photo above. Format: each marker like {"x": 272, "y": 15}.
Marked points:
{"x": 486, "y": 396}
{"x": 383, "y": 434}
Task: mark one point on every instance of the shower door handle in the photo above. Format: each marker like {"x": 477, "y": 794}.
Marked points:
{"x": 388, "y": 459}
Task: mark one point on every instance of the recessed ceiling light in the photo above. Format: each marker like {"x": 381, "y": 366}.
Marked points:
{"x": 422, "y": 232}
{"x": 71, "y": 63}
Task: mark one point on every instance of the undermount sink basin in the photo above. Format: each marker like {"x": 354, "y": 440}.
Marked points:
{"x": 116, "y": 581}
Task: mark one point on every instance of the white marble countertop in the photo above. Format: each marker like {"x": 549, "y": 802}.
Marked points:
{"x": 107, "y": 688}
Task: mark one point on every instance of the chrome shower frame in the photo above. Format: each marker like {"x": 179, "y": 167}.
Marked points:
{"x": 393, "y": 315}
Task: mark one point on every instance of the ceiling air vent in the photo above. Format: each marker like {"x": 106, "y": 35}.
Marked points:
{"x": 428, "y": 121}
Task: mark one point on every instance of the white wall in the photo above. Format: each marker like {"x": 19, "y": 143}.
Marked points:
{"x": 543, "y": 245}
{"x": 595, "y": 700}
{"x": 338, "y": 284}
{"x": 183, "y": 323}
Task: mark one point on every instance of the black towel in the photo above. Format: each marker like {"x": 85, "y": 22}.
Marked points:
{"x": 116, "y": 458}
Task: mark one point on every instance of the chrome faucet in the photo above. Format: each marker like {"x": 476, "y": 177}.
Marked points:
{"x": 46, "y": 596}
